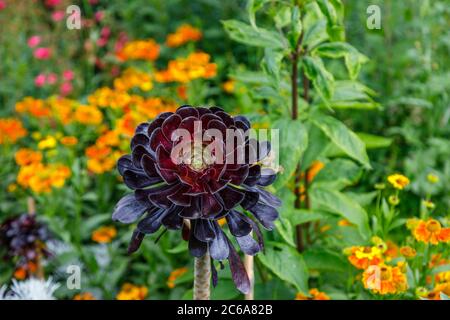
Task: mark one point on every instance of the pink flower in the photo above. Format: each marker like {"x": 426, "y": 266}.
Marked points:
{"x": 99, "y": 15}
{"x": 58, "y": 16}
{"x": 34, "y": 41}
{"x": 65, "y": 88}
{"x": 52, "y": 3}
{"x": 42, "y": 53}
{"x": 2, "y": 5}
{"x": 40, "y": 80}
{"x": 52, "y": 78}
{"x": 102, "y": 42}
{"x": 105, "y": 32}
{"x": 68, "y": 75}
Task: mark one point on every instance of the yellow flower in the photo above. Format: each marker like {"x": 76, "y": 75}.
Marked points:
{"x": 384, "y": 279}
{"x": 362, "y": 257}
{"x": 432, "y": 178}
{"x": 84, "y": 296}
{"x": 174, "y": 275}
{"x": 47, "y": 143}
{"x": 398, "y": 181}
{"x": 11, "y": 130}
{"x": 314, "y": 293}
{"x": 431, "y": 231}
{"x": 27, "y": 156}
{"x": 104, "y": 234}
{"x": 228, "y": 86}
{"x": 132, "y": 292}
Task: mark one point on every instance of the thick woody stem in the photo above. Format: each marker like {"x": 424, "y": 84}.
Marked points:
{"x": 202, "y": 277}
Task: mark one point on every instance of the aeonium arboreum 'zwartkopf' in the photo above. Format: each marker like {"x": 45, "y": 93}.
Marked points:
{"x": 208, "y": 184}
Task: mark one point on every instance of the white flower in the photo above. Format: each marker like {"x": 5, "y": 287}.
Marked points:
{"x": 30, "y": 289}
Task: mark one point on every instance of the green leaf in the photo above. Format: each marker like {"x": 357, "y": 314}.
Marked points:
{"x": 284, "y": 228}
{"x": 342, "y": 137}
{"x": 325, "y": 260}
{"x": 287, "y": 264}
{"x": 92, "y": 223}
{"x": 272, "y": 63}
{"x": 314, "y": 26}
{"x": 252, "y": 7}
{"x": 283, "y": 17}
{"x": 341, "y": 204}
{"x": 300, "y": 216}
{"x": 244, "y": 33}
{"x": 316, "y": 149}
{"x": 374, "y": 142}
{"x": 337, "y": 174}
{"x": 293, "y": 142}
{"x": 322, "y": 79}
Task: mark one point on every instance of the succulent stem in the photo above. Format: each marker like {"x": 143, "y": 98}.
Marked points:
{"x": 202, "y": 277}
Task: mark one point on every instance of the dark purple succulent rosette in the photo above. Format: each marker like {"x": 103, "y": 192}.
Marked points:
{"x": 24, "y": 237}
{"x": 193, "y": 198}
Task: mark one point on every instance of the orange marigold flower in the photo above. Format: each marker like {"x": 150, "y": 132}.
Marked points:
{"x": 391, "y": 250}
{"x": 174, "y": 275}
{"x": 131, "y": 78}
{"x": 25, "y": 157}
{"x": 69, "y": 141}
{"x": 363, "y": 257}
{"x": 432, "y": 232}
{"x": 132, "y": 292}
{"x": 314, "y": 170}
{"x": 384, "y": 279}
{"x": 398, "y": 181}
{"x": 437, "y": 260}
{"x": 101, "y": 158}
{"x": 84, "y": 296}
{"x": 183, "y": 70}
{"x": 20, "y": 273}
{"x": 104, "y": 234}
{"x": 408, "y": 252}
{"x": 182, "y": 35}
{"x": 11, "y": 130}
{"x": 88, "y": 115}
{"x": 344, "y": 223}
{"x": 314, "y": 293}
{"x": 35, "y": 107}
{"x": 42, "y": 178}
{"x": 139, "y": 50}
{"x": 228, "y": 86}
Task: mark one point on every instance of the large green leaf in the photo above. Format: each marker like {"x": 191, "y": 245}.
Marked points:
{"x": 322, "y": 80}
{"x": 287, "y": 264}
{"x": 246, "y": 34}
{"x": 325, "y": 260}
{"x": 337, "y": 174}
{"x": 352, "y": 57}
{"x": 318, "y": 145}
{"x": 343, "y": 137}
{"x": 293, "y": 142}
{"x": 339, "y": 203}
